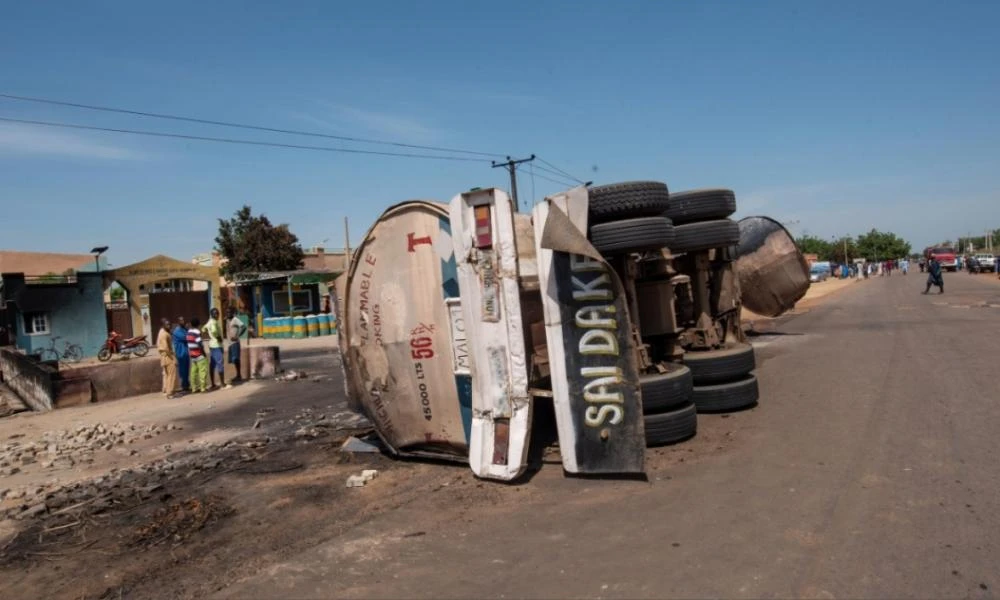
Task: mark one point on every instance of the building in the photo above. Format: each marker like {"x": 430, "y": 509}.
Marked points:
{"x": 161, "y": 287}
{"x": 34, "y": 310}
{"x": 36, "y": 264}
{"x": 311, "y": 287}
{"x": 37, "y": 268}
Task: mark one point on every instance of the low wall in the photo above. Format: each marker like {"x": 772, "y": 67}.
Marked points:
{"x": 32, "y": 381}
{"x": 117, "y": 379}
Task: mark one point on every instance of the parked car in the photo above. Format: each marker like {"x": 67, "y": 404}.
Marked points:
{"x": 818, "y": 274}
{"x": 986, "y": 263}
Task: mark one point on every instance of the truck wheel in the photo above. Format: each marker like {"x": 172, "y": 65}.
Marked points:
{"x": 632, "y": 235}
{"x": 705, "y": 235}
{"x": 671, "y": 427}
{"x": 665, "y": 391}
{"x": 720, "y": 366}
{"x": 701, "y": 205}
{"x": 627, "y": 200}
{"x": 726, "y": 397}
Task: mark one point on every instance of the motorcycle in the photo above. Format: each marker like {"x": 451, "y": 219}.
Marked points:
{"x": 115, "y": 344}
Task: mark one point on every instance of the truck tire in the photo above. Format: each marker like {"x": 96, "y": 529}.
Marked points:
{"x": 627, "y": 200}
{"x": 671, "y": 427}
{"x": 726, "y": 397}
{"x": 632, "y": 235}
{"x": 720, "y": 366}
{"x": 705, "y": 235}
{"x": 666, "y": 391}
{"x": 701, "y": 205}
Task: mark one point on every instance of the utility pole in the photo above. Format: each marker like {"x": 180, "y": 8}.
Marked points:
{"x": 511, "y": 165}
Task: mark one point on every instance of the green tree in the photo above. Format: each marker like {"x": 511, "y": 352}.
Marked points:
{"x": 116, "y": 292}
{"x": 837, "y": 250}
{"x": 251, "y": 244}
{"x": 882, "y": 245}
{"x": 810, "y": 244}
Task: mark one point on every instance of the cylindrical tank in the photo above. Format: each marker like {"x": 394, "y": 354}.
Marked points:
{"x": 282, "y": 327}
{"x": 772, "y": 271}
{"x": 265, "y": 328}
{"x": 312, "y": 325}
{"x": 323, "y": 321}
{"x": 396, "y": 342}
{"x": 299, "y": 329}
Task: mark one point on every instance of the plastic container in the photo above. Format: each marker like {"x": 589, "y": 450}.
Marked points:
{"x": 299, "y": 328}
{"x": 324, "y": 322}
{"x": 312, "y": 326}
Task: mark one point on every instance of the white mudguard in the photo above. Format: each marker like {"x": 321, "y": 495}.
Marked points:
{"x": 483, "y": 231}
{"x": 592, "y": 359}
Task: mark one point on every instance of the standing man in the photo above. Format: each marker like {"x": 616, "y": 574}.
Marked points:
{"x": 236, "y": 329}
{"x": 934, "y": 275}
{"x": 181, "y": 351}
{"x": 213, "y": 331}
{"x": 168, "y": 359}
{"x": 199, "y": 364}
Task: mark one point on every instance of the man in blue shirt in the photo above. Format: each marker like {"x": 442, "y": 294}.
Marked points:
{"x": 179, "y": 335}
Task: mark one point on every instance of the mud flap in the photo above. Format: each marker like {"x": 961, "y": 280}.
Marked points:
{"x": 486, "y": 253}
{"x": 595, "y": 376}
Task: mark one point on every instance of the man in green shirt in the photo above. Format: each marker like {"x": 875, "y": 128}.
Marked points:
{"x": 213, "y": 331}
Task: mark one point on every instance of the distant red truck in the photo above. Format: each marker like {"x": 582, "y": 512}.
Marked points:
{"x": 944, "y": 255}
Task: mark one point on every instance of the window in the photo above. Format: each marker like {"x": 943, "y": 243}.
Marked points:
{"x": 301, "y": 301}
{"x": 36, "y": 323}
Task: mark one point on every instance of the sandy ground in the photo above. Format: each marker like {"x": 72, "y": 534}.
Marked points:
{"x": 815, "y": 292}
{"x": 240, "y": 528}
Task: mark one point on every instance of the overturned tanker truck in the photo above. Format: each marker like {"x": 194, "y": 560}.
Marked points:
{"x": 618, "y": 304}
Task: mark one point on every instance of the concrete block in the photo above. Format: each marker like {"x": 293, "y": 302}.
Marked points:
{"x": 356, "y": 481}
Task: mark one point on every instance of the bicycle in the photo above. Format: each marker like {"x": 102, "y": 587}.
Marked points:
{"x": 72, "y": 353}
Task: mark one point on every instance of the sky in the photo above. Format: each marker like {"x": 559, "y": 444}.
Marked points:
{"x": 833, "y": 117}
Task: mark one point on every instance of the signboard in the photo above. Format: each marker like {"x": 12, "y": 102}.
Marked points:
{"x": 595, "y": 377}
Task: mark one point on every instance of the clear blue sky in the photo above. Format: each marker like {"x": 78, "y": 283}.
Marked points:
{"x": 839, "y": 115}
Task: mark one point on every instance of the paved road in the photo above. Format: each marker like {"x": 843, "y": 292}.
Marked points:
{"x": 869, "y": 470}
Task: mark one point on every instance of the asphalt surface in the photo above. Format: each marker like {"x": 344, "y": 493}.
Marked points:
{"x": 870, "y": 470}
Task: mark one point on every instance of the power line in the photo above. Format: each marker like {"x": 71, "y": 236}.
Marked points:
{"x": 561, "y": 172}
{"x": 241, "y": 125}
{"x": 560, "y": 176}
{"x": 562, "y": 183}
{"x": 202, "y": 138}
{"x": 531, "y": 169}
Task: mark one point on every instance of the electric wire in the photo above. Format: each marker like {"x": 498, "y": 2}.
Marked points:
{"x": 561, "y": 172}
{"x": 155, "y": 115}
{"x": 245, "y": 142}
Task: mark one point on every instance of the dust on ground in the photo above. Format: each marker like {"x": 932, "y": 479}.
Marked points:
{"x": 150, "y": 498}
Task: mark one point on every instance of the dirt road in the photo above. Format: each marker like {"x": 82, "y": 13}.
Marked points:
{"x": 869, "y": 470}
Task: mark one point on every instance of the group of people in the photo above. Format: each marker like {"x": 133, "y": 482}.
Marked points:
{"x": 885, "y": 268}
{"x": 184, "y": 358}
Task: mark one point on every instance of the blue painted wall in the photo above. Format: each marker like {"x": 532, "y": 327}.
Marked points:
{"x": 76, "y": 311}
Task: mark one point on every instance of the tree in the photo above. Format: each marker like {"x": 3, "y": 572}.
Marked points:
{"x": 251, "y": 244}
{"x": 837, "y": 250}
{"x": 810, "y": 244}
{"x": 117, "y": 292}
{"x": 879, "y": 245}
